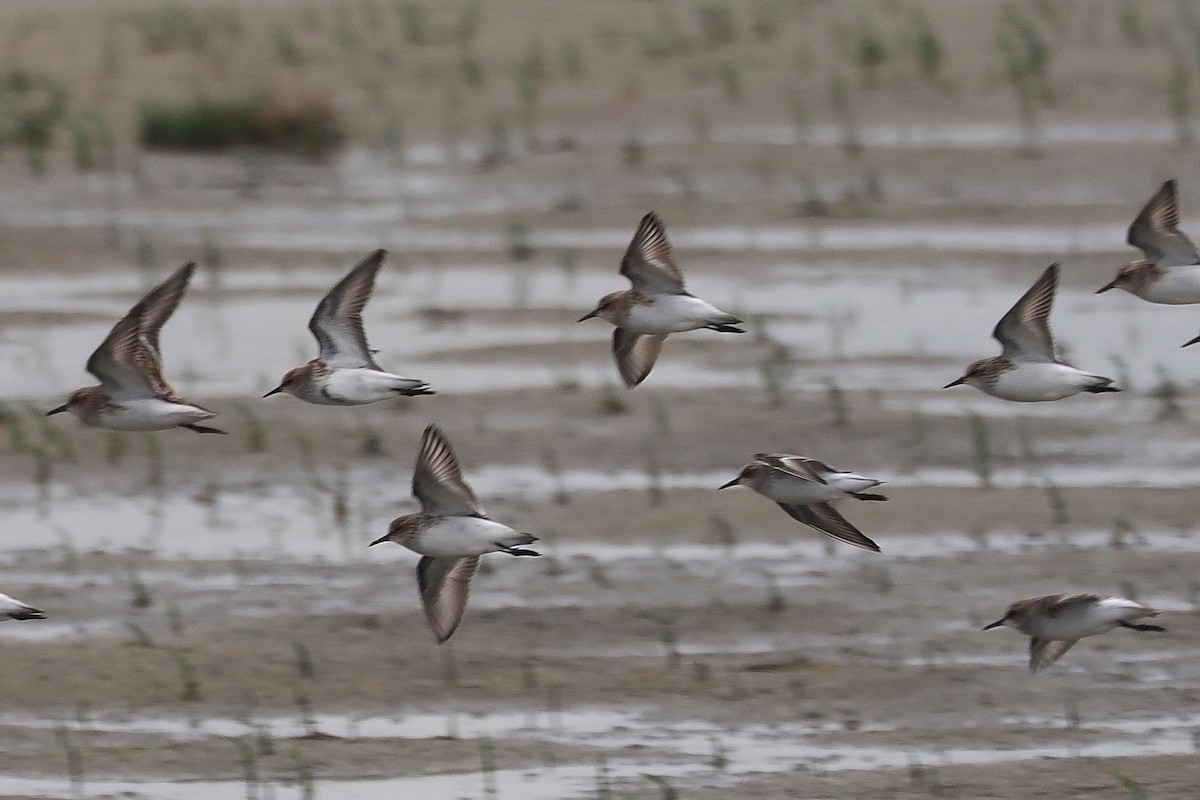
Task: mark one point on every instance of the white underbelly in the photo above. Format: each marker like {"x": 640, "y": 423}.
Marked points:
{"x": 671, "y": 313}
{"x": 1179, "y": 286}
{"x": 1037, "y": 382}
{"x": 151, "y": 414}
{"x": 356, "y": 386}
{"x": 461, "y": 536}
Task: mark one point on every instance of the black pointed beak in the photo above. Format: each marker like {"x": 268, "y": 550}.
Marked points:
{"x": 276, "y": 390}
{"x": 733, "y": 482}
{"x": 588, "y": 316}
{"x": 958, "y": 382}
{"x": 63, "y": 407}
{"x": 1188, "y": 343}
{"x": 380, "y": 540}
{"x": 1106, "y": 287}
{"x": 995, "y": 624}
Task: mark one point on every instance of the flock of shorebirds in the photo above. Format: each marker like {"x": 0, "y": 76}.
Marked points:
{"x": 451, "y": 531}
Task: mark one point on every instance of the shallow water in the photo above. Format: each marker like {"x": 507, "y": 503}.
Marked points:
{"x": 681, "y": 749}
{"x": 828, "y": 313}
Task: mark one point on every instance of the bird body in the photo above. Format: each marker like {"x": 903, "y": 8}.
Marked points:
{"x": 452, "y": 537}
{"x": 344, "y": 372}
{"x": 1055, "y": 622}
{"x": 804, "y": 488}
{"x": 133, "y": 394}
{"x": 672, "y": 313}
{"x": 1028, "y": 370}
{"x": 657, "y": 305}
{"x": 1170, "y": 271}
{"x": 450, "y": 532}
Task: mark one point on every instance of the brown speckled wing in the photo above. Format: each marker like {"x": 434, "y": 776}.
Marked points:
{"x": 437, "y": 479}
{"x": 1044, "y": 652}
{"x": 128, "y": 362}
{"x": 636, "y": 354}
{"x": 1024, "y": 332}
{"x": 337, "y": 322}
{"x": 444, "y": 585}
{"x": 1155, "y": 230}
{"x": 648, "y": 263}
{"x": 798, "y": 466}
{"x": 827, "y": 520}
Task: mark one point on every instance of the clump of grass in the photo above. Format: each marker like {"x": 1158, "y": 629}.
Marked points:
{"x": 775, "y": 600}
{"x": 927, "y": 47}
{"x": 1058, "y": 503}
{"x": 140, "y": 637}
{"x": 981, "y": 443}
{"x": 1132, "y": 29}
{"x": 838, "y": 404}
{"x": 667, "y": 791}
{"x": 139, "y": 594}
{"x": 190, "y": 683}
{"x": 249, "y": 759}
{"x": 307, "y": 718}
{"x": 870, "y": 53}
{"x": 304, "y": 776}
{"x": 487, "y": 766}
{"x": 1135, "y": 789}
{"x": 1167, "y": 393}
{"x": 718, "y": 23}
{"x": 175, "y": 619}
{"x": 74, "y": 758}
{"x": 413, "y": 21}
{"x": 776, "y": 372}
{"x": 32, "y": 104}
{"x": 1122, "y": 527}
{"x": 611, "y": 401}
{"x": 603, "y": 781}
{"x": 169, "y": 26}
{"x": 1026, "y": 54}
{"x": 1180, "y": 98}
{"x": 570, "y": 59}
{"x": 668, "y": 637}
{"x": 372, "y": 443}
{"x": 1129, "y": 590}
{"x": 839, "y": 101}
{"x": 256, "y": 432}
{"x": 633, "y": 150}
{"x": 11, "y": 420}
{"x": 520, "y": 244}
{"x": 304, "y": 662}
{"x": 287, "y": 49}
{"x": 307, "y": 128}
{"x": 729, "y": 75}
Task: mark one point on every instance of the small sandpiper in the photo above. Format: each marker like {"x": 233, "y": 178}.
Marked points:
{"x": 1170, "y": 271}
{"x": 804, "y": 488}
{"x": 1028, "y": 369}
{"x": 1055, "y": 622}
{"x": 12, "y": 608}
{"x": 344, "y": 373}
{"x": 450, "y": 532}
{"x": 658, "y": 304}
{"x": 133, "y": 395}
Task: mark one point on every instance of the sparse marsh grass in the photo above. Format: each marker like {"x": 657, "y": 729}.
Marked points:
{"x": 308, "y": 128}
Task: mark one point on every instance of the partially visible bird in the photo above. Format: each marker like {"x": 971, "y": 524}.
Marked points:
{"x": 451, "y": 532}
{"x": 1055, "y": 622}
{"x": 804, "y": 488}
{"x": 12, "y": 608}
{"x": 1170, "y": 271}
{"x": 657, "y": 305}
{"x": 1028, "y": 370}
{"x": 344, "y": 373}
{"x": 133, "y": 394}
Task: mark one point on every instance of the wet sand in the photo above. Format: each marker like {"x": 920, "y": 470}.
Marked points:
{"x": 217, "y": 626}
